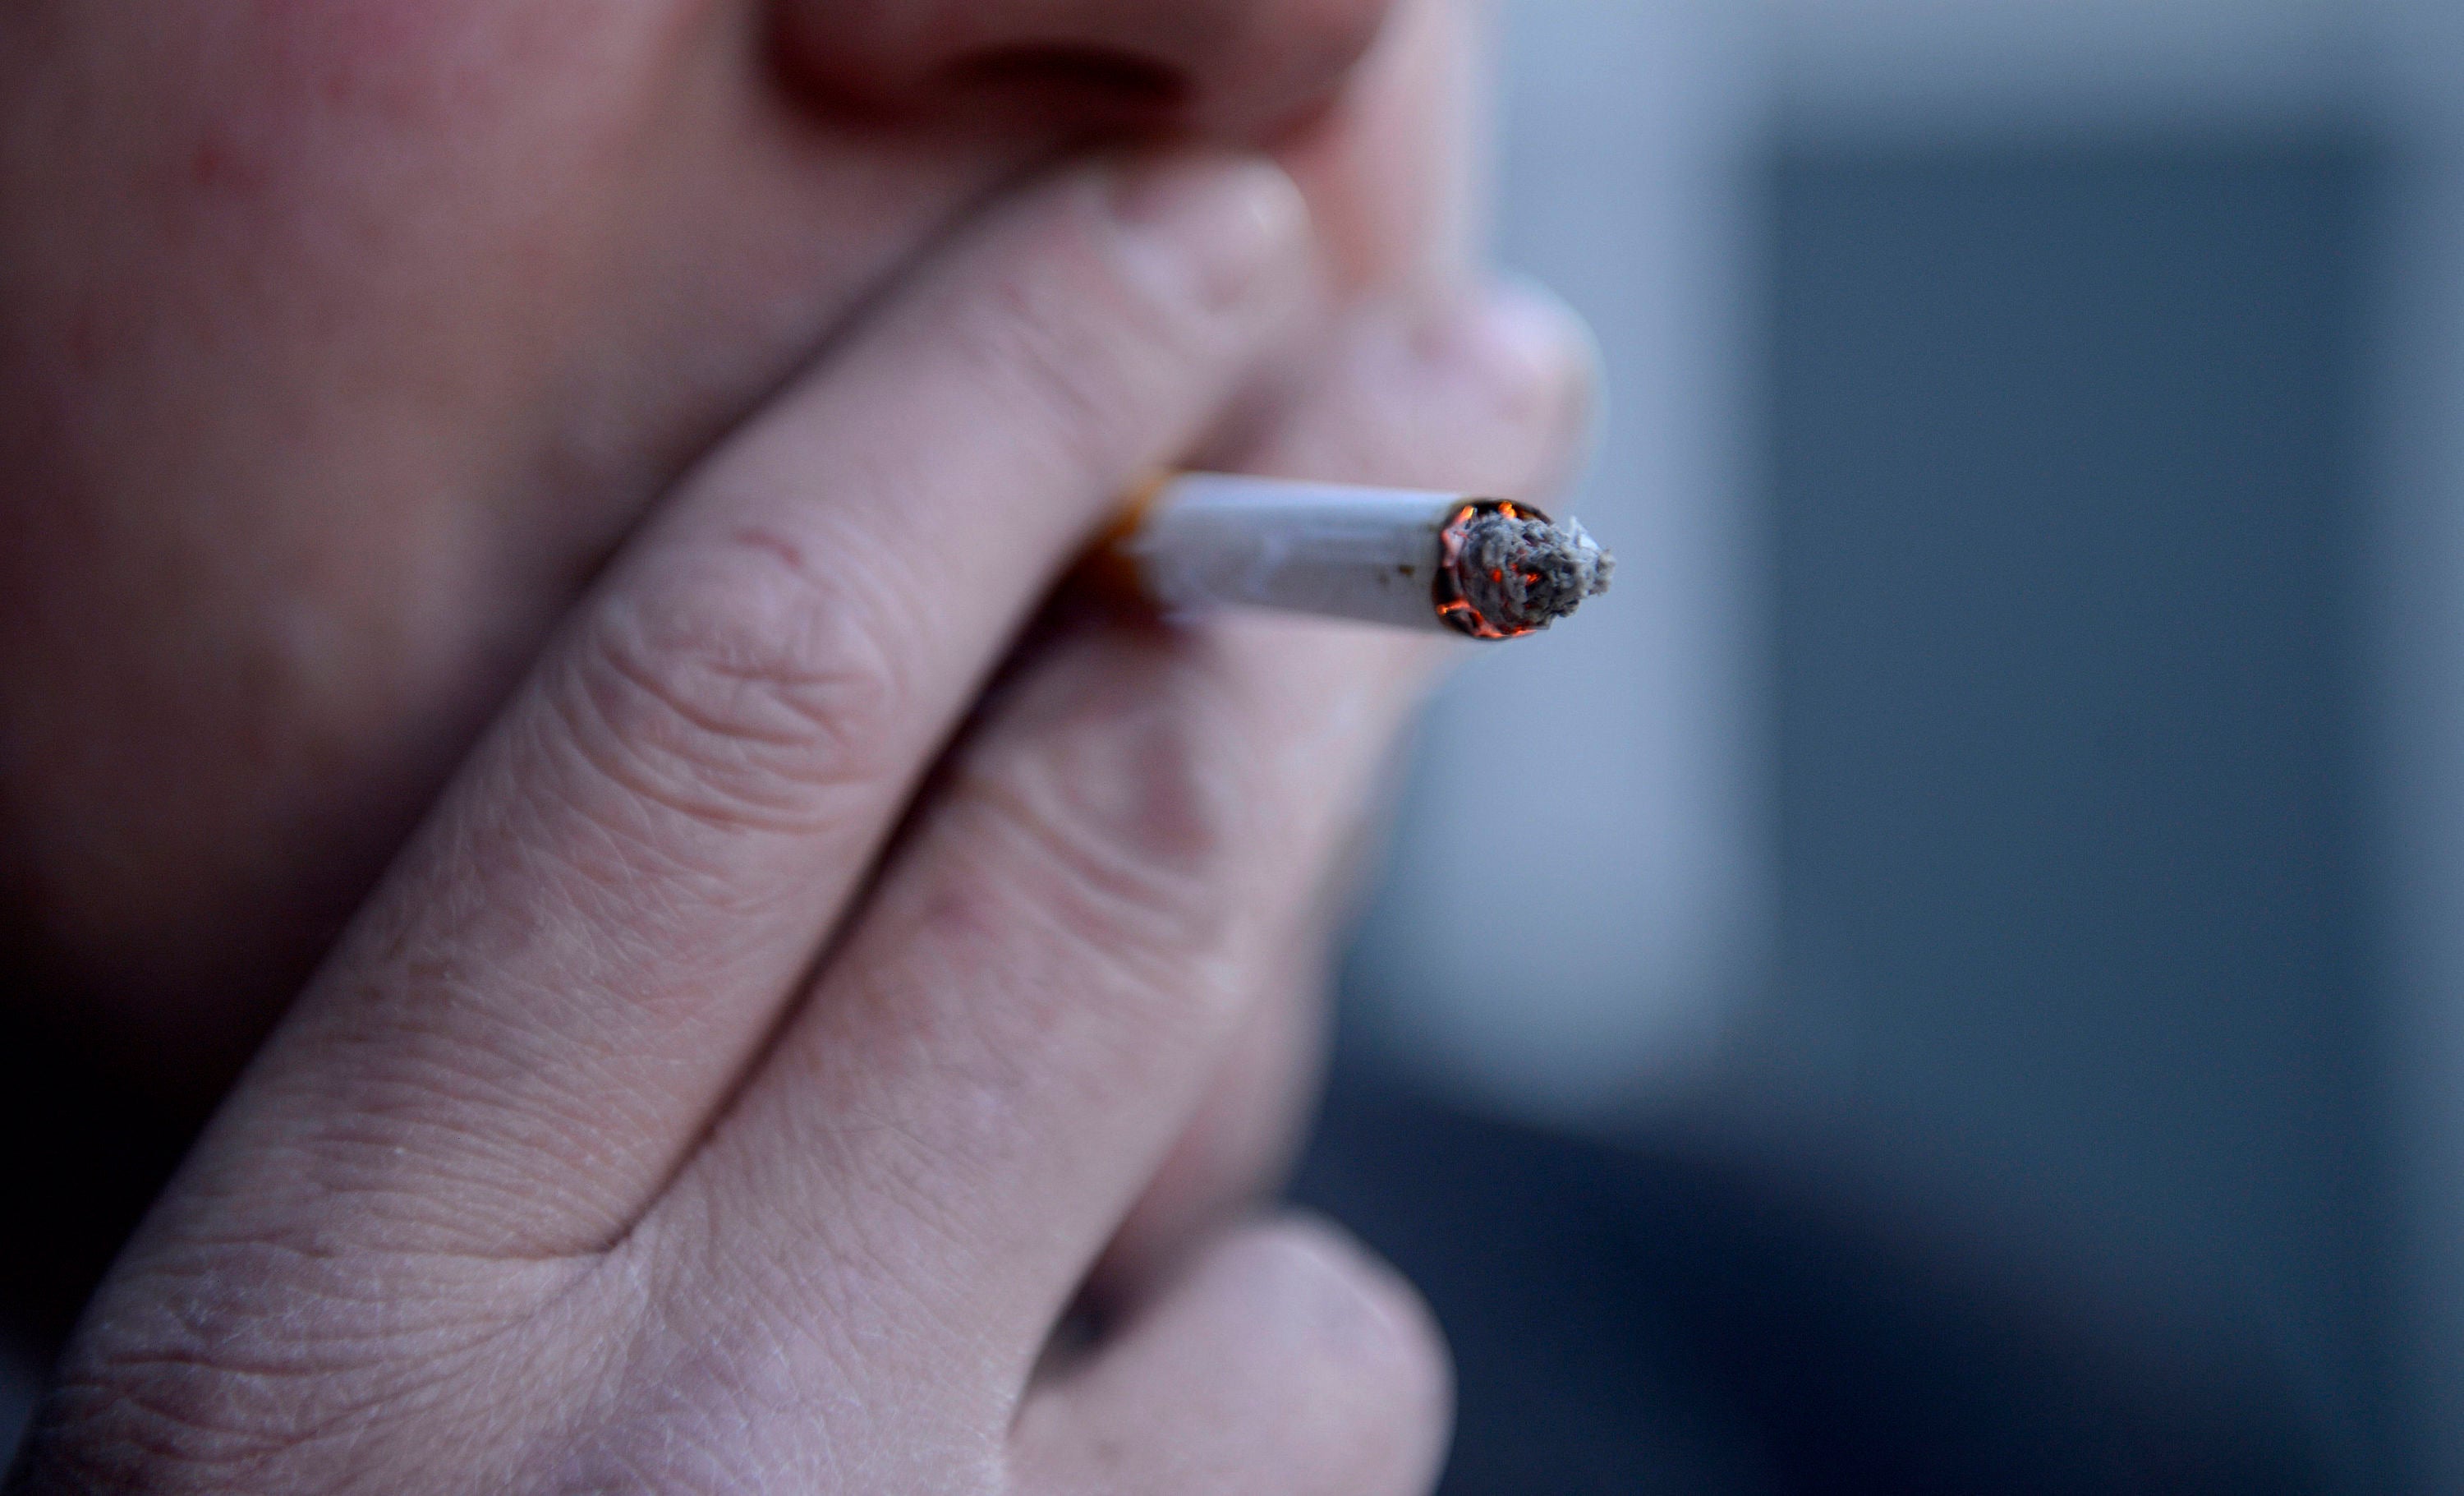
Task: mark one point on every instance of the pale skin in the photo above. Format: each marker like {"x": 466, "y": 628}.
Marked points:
{"x": 597, "y": 458}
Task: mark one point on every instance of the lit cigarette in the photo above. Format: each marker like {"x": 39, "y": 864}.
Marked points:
{"x": 1489, "y": 568}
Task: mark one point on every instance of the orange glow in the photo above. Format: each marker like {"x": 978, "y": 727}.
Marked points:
{"x": 1451, "y": 604}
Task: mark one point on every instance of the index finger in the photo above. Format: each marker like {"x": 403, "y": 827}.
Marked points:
{"x": 580, "y": 949}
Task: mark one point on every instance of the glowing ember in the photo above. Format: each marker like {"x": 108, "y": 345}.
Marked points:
{"x": 1510, "y": 572}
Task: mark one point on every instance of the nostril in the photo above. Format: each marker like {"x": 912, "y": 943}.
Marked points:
{"x": 1228, "y": 68}
{"x": 1109, "y": 83}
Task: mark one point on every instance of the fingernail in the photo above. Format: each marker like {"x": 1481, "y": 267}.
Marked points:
{"x": 1207, "y": 227}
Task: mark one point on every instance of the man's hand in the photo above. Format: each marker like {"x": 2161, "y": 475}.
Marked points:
{"x": 707, "y": 1102}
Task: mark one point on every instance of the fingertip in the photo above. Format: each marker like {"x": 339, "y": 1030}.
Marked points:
{"x": 1281, "y": 1357}
{"x": 1207, "y": 225}
{"x": 1358, "y": 1299}
{"x": 1355, "y": 1337}
{"x": 1531, "y": 353}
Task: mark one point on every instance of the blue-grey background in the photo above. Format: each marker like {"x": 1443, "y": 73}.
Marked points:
{"x": 2019, "y": 783}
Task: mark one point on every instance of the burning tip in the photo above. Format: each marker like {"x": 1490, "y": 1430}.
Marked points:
{"x": 1519, "y": 573}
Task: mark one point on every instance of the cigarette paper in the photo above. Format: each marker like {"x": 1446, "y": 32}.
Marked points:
{"x": 1415, "y": 558}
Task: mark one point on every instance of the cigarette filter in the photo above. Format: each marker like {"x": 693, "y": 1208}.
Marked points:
{"x": 1487, "y": 567}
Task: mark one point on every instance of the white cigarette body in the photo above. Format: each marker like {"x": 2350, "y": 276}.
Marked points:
{"x": 1208, "y": 539}
{"x": 1203, "y": 540}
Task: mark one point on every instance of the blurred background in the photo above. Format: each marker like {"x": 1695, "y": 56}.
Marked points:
{"x": 1992, "y": 1013}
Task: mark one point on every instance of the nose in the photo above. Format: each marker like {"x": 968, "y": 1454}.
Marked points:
{"x": 1223, "y": 66}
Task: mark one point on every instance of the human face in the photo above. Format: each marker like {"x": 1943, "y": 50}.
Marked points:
{"x": 340, "y": 342}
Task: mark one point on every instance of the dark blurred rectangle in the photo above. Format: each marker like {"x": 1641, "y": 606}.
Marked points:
{"x": 2066, "y": 508}
{"x": 2067, "y": 1175}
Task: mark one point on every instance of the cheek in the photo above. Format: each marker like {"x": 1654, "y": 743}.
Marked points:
{"x": 347, "y": 337}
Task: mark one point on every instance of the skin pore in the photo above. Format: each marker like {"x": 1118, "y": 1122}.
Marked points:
{"x": 424, "y": 415}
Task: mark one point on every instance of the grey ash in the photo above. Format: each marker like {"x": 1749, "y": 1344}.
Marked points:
{"x": 1523, "y": 573}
